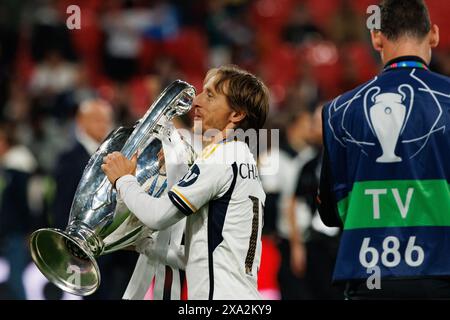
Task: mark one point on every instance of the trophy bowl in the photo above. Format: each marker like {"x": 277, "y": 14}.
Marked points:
{"x": 95, "y": 227}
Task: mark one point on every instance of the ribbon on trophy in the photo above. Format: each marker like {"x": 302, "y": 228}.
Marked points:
{"x": 177, "y": 160}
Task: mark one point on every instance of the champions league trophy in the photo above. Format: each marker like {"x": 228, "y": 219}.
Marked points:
{"x": 67, "y": 258}
{"x": 387, "y": 117}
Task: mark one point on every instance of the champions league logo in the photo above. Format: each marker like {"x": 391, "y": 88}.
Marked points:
{"x": 387, "y": 119}
{"x": 391, "y": 118}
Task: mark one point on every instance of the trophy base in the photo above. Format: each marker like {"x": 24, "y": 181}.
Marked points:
{"x": 389, "y": 159}
{"x": 65, "y": 262}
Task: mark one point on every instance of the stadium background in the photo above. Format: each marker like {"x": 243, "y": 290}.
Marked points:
{"x": 307, "y": 51}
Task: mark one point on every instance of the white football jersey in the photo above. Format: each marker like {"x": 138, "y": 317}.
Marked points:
{"x": 223, "y": 199}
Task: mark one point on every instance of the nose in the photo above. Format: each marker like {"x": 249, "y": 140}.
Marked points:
{"x": 196, "y": 100}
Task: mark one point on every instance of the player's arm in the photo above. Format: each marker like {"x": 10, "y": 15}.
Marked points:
{"x": 201, "y": 184}
{"x": 326, "y": 201}
{"x": 298, "y": 248}
{"x": 156, "y": 213}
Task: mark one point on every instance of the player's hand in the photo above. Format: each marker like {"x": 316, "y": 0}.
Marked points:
{"x": 147, "y": 245}
{"x": 116, "y": 165}
{"x": 298, "y": 259}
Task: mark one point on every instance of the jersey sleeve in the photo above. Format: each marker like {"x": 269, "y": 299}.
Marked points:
{"x": 326, "y": 200}
{"x": 203, "y": 182}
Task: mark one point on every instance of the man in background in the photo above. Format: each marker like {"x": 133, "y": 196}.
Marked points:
{"x": 293, "y": 153}
{"x": 94, "y": 120}
{"x": 320, "y": 241}
{"x": 386, "y": 167}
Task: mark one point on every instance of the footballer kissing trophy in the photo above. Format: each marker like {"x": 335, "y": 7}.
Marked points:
{"x": 67, "y": 258}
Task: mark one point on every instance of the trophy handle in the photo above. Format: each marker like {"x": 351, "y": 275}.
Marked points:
{"x": 102, "y": 199}
{"x": 411, "y": 102}
{"x": 376, "y": 91}
{"x": 121, "y": 243}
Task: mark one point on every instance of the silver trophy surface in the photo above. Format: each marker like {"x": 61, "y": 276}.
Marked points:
{"x": 67, "y": 258}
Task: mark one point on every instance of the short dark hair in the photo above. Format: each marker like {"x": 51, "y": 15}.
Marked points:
{"x": 404, "y": 18}
{"x": 244, "y": 92}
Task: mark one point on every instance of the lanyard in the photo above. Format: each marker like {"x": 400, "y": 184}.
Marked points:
{"x": 407, "y": 64}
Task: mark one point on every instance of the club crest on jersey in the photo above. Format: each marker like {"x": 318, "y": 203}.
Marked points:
{"x": 190, "y": 177}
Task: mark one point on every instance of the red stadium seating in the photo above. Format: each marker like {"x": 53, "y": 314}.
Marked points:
{"x": 189, "y": 49}
{"x": 322, "y": 11}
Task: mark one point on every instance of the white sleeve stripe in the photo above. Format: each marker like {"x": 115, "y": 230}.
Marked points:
{"x": 179, "y": 204}
{"x": 184, "y": 199}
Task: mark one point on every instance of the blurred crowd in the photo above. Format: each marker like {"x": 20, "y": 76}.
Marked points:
{"x": 62, "y": 91}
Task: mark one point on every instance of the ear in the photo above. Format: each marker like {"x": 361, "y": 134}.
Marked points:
{"x": 237, "y": 116}
{"x": 377, "y": 40}
{"x": 434, "y": 36}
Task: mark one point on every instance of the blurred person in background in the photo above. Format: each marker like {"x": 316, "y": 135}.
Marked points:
{"x": 53, "y": 54}
{"x": 17, "y": 165}
{"x": 10, "y": 12}
{"x": 48, "y": 28}
{"x": 94, "y": 120}
{"x": 227, "y": 30}
{"x": 300, "y": 27}
{"x": 342, "y": 25}
{"x": 386, "y": 167}
{"x": 320, "y": 242}
{"x": 304, "y": 91}
{"x": 125, "y": 25}
{"x": 120, "y": 24}
{"x": 51, "y": 81}
{"x": 293, "y": 153}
